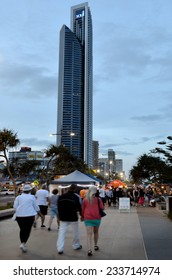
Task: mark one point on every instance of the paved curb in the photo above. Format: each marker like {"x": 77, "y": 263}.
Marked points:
{"x": 6, "y": 213}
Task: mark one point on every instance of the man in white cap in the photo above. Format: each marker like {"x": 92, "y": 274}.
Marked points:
{"x": 26, "y": 209}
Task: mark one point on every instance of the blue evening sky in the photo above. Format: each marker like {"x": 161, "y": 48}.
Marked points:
{"x": 132, "y": 72}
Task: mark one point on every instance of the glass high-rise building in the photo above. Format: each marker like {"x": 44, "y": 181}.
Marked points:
{"x": 95, "y": 155}
{"x": 75, "y": 84}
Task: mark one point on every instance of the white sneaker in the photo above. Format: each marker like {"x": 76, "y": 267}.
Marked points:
{"x": 23, "y": 247}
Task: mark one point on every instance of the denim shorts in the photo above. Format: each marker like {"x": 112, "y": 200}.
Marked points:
{"x": 53, "y": 212}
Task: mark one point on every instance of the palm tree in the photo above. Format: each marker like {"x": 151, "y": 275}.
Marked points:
{"x": 51, "y": 153}
{"x": 61, "y": 161}
{"x": 28, "y": 167}
{"x": 8, "y": 139}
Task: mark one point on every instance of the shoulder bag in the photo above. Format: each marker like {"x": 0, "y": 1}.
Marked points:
{"x": 102, "y": 213}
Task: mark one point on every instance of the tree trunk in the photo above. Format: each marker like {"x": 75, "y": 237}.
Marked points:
{"x": 13, "y": 180}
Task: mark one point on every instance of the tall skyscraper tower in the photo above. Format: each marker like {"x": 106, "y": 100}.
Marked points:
{"x": 75, "y": 85}
{"x": 95, "y": 155}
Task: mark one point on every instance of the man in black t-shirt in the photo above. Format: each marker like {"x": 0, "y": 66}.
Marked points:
{"x": 68, "y": 208}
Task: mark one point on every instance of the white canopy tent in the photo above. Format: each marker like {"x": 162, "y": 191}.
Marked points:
{"x": 76, "y": 177}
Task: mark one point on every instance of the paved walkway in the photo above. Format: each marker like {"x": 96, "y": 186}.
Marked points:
{"x": 141, "y": 234}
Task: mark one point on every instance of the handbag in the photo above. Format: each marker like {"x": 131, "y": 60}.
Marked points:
{"x": 102, "y": 213}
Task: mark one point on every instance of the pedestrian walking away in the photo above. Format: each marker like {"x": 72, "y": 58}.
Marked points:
{"x": 141, "y": 196}
{"x": 102, "y": 194}
{"x": 83, "y": 192}
{"x": 92, "y": 218}
{"x": 53, "y": 204}
{"x": 109, "y": 195}
{"x": 26, "y": 208}
{"x": 114, "y": 196}
{"x": 33, "y": 192}
{"x": 69, "y": 207}
{"x": 136, "y": 196}
{"x": 42, "y": 197}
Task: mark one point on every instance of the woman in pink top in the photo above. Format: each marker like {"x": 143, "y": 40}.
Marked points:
{"x": 91, "y": 217}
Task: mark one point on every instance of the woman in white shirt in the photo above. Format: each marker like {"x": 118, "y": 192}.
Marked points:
{"x": 26, "y": 209}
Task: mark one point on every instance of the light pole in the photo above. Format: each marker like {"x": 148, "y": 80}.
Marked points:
{"x": 60, "y": 134}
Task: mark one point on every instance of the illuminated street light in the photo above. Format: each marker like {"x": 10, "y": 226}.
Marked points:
{"x": 60, "y": 133}
{"x": 52, "y": 134}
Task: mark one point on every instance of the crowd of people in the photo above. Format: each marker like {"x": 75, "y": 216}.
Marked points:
{"x": 70, "y": 207}
{"x": 33, "y": 204}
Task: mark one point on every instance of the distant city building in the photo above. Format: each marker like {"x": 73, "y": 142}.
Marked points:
{"x": 25, "y": 149}
{"x": 75, "y": 85}
{"x": 95, "y": 155}
{"x": 118, "y": 165}
{"x": 111, "y": 160}
{"x": 110, "y": 166}
{"x": 26, "y": 154}
{"x": 104, "y": 167}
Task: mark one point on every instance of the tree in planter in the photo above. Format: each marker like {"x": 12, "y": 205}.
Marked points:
{"x": 8, "y": 139}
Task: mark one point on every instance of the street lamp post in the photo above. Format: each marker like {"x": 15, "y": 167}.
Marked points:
{"x": 60, "y": 134}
